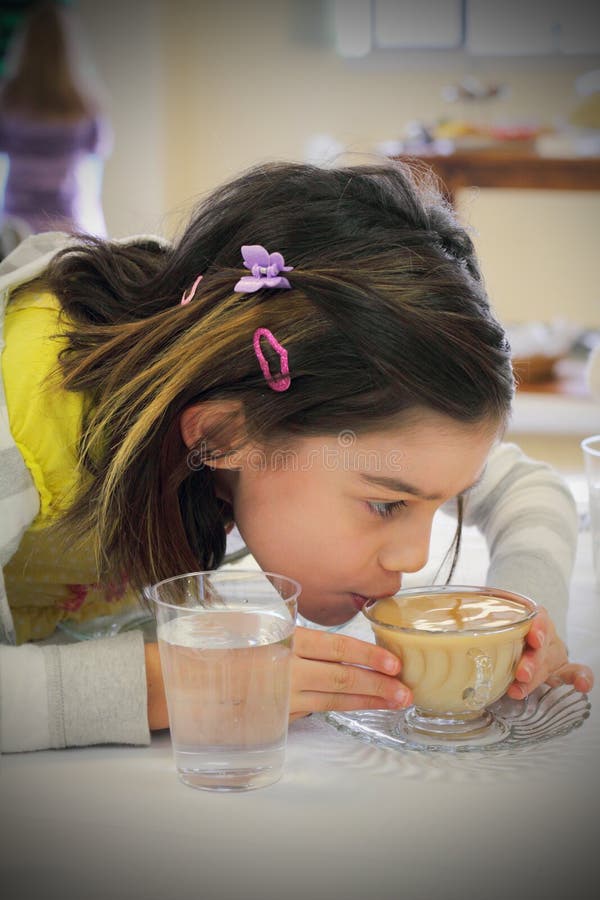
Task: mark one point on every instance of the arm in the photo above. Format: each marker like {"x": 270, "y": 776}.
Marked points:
{"x": 528, "y": 517}
{"x": 158, "y": 716}
{"x": 72, "y": 695}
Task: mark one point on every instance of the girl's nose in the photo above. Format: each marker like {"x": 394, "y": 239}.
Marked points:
{"x": 408, "y": 549}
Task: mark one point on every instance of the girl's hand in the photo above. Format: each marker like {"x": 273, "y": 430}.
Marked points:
{"x": 332, "y": 671}
{"x": 545, "y": 659}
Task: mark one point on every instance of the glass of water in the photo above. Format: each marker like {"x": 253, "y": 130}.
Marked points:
{"x": 225, "y": 641}
{"x": 591, "y": 455}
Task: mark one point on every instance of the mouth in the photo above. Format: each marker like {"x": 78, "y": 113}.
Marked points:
{"x": 359, "y": 600}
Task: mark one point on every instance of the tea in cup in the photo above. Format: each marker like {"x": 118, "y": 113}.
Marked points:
{"x": 459, "y": 647}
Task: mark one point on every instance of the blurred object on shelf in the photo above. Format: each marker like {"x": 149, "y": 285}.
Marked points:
{"x": 592, "y": 371}
{"x": 568, "y": 143}
{"x": 471, "y": 88}
{"x": 322, "y": 150}
{"x": 587, "y": 341}
{"x": 538, "y": 346}
{"x": 587, "y": 112}
{"x": 418, "y": 132}
{"x": 462, "y": 133}
{"x": 450, "y": 135}
{"x": 566, "y": 379}
{"x": 578, "y": 133}
{"x": 417, "y": 138}
{"x": 516, "y": 131}
{"x": 553, "y": 338}
{"x": 534, "y": 368}
{"x": 390, "y": 148}
{"x": 468, "y": 135}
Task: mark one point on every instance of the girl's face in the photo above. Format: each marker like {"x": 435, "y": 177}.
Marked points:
{"x": 346, "y": 516}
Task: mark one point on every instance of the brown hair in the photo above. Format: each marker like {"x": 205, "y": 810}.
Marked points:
{"x": 387, "y": 315}
{"x": 45, "y": 84}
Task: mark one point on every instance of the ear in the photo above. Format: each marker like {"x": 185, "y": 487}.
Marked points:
{"x": 220, "y": 423}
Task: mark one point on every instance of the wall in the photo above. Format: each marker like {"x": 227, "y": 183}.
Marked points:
{"x": 201, "y": 90}
{"x": 126, "y": 42}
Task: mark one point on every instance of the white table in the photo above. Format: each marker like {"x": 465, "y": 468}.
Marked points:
{"x": 348, "y": 820}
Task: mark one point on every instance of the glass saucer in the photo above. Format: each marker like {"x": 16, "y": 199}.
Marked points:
{"x": 546, "y": 713}
{"x": 108, "y": 626}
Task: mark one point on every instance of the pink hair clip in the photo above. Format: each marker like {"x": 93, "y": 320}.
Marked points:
{"x": 282, "y": 381}
{"x": 188, "y": 296}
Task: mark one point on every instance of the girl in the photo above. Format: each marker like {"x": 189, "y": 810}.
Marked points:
{"x": 315, "y": 360}
{"x": 52, "y": 131}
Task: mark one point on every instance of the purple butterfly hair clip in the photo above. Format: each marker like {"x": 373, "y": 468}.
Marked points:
{"x": 265, "y": 268}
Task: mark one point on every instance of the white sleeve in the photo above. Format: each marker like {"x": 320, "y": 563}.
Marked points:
{"x": 72, "y": 695}
{"x": 528, "y": 517}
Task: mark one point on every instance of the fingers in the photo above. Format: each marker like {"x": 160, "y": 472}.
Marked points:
{"x": 540, "y": 632}
{"x": 545, "y": 660}
{"x": 328, "y": 682}
{"x": 580, "y": 676}
{"x": 333, "y": 671}
{"x": 535, "y": 665}
{"x": 544, "y": 653}
{"x": 319, "y": 702}
{"x": 321, "y": 645}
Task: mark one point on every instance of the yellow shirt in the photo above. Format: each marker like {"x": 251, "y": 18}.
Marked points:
{"x": 45, "y": 582}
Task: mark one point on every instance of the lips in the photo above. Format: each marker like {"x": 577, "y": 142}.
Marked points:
{"x": 359, "y": 600}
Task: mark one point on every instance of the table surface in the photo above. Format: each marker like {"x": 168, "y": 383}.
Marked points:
{"x": 347, "y": 819}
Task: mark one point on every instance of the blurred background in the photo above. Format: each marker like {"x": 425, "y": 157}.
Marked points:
{"x": 502, "y": 99}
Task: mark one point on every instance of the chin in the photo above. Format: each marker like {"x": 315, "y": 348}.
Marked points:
{"x": 328, "y": 616}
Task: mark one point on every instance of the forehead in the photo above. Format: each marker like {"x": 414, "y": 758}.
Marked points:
{"x": 434, "y": 453}
{"x": 429, "y": 432}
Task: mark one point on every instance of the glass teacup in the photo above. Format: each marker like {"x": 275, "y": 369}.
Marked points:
{"x": 459, "y": 648}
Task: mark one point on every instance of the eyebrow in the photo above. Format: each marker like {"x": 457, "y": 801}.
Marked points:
{"x": 402, "y": 487}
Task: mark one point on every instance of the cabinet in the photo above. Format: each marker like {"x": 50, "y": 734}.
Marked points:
{"x": 534, "y": 27}
{"x": 476, "y": 27}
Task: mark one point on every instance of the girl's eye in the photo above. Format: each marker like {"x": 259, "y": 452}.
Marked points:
{"x": 384, "y": 510}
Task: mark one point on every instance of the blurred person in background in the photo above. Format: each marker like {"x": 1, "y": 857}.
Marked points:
{"x": 52, "y": 131}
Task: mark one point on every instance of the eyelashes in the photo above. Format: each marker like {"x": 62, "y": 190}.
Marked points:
{"x": 385, "y": 510}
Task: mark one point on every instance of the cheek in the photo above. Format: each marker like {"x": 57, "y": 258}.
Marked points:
{"x": 286, "y": 523}
{"x": 265, "y": 515}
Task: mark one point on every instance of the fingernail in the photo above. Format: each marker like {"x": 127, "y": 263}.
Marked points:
{"x": 525, "y": 670}
{"x": 401, "y": 697}
{"x": 585, "y": 682}
{"x": 541, "y": 638}
{"x": 391, "y": 664}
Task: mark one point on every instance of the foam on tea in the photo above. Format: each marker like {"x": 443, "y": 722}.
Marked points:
{"x": 449, "y": 612}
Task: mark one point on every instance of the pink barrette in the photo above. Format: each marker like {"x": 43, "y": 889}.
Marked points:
{"x": 265, "y": 268}
{"x": 279, "y": 382}
{"x": 189, "y": 295}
